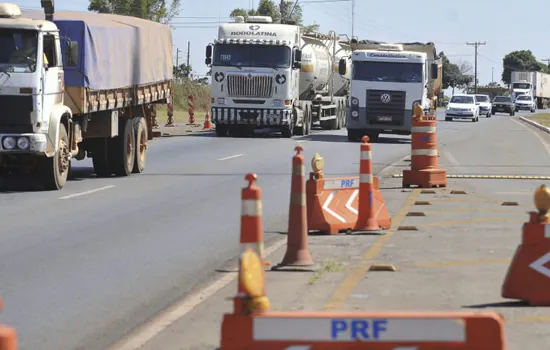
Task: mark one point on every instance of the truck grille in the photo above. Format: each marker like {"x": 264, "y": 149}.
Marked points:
{"x": 15, "y": 114}
{"x": 391, "y": 112}
{"x": 250, "y": 85}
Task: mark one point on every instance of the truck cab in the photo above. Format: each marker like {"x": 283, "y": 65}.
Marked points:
{"x": 521, "y": 87}
{"x": 386, "y": 83}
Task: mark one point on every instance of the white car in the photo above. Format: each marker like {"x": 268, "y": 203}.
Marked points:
{"x": 462, "y": 106}
{"x": 485, "y": 105}
{"x": 525, "y": 102}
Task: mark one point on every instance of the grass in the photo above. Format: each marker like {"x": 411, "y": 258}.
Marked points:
{"x": 180, "y": 116}
{"x": 330, "y": 265}
{"x": 541, "y": 118}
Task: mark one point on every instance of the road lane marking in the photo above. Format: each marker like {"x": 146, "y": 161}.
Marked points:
{"x": 74, "y": 195}
{"x": 462, "y": 263}
{"x": 158, "y": 324}
{"x": 232, "y": 157}
{"x": 451, "y": 158}
{"x": 342, "y": 292}
{"x": 470, "y": 221}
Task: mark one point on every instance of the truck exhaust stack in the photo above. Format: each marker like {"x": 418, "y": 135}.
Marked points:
{"x": 48, "y": 6}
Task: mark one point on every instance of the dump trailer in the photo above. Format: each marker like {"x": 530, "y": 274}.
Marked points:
{"x": 76, "y": 84}
{"x": 535, "y": 84}
{"x": 387, "y": 81}
{"x": 272, "y": 76}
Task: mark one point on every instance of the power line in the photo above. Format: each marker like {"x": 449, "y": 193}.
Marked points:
{"x": 476, "y": 45}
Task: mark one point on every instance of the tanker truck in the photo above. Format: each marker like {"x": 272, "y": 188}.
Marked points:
{"x": 269, "y": 75}
{"x": 386, "y": 82}
{"x": 80, "y": 84}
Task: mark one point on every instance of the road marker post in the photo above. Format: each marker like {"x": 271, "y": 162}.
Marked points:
{"x": 528, "y": 276}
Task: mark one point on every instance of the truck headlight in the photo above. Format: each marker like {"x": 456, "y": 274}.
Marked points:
{"x": 354, "y": 114}
{"x": 221, "y": 100}
{"x": 23, "y": 143}
{"x": 9, "y": 142}
{"x": 277, "y": 103}
{"x": 354, "y": 102}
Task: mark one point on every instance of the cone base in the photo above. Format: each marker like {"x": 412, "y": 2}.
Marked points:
{"x": 426, "y": 178}
{"x": 296, "y": 267}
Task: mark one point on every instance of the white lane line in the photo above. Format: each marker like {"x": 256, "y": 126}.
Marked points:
{"x": 180, "y": 309}
{"x": 535, "y": 132}
{"x": 451, "y": 158}
{"x": 231, "y": 157}
{"x": 87, "y": 192}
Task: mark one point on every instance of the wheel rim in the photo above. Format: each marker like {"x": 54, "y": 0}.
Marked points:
{"x": 63, "y": 156}
{"x": 129, "y": 149}
{"x": 142, "y": 145}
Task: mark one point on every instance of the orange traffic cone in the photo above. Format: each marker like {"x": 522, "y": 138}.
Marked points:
{"x": 528, "y": 277}
{"x": 366, "y": 217}
{"x": 8, "y": 336}
{"x": 207, "y": 123}
{"x": 252, "y": 231}
{"x": 297, "y": 253}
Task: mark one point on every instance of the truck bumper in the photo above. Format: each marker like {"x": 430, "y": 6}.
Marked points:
{"x": 37, "y": 143}
{"x": 395, "y": 124}
{"x": 251, "y": 116}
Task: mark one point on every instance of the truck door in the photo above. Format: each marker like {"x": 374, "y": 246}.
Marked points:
{"x": 53, "y": 73}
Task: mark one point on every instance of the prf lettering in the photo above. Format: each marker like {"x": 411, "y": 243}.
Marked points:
{"x": 347, "y": 183}
{"x": 358, "y": 329}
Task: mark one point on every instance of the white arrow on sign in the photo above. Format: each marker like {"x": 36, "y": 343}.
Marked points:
{"x": 350, "y": 202}
{"x": 330, "y": 211}
{"x": 538, "y": 265}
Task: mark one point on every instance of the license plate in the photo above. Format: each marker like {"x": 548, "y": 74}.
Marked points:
{"x": 384, "y": 118}
{"x": 500, "y": 109}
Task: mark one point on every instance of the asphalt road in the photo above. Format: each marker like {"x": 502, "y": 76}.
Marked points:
{"x": 81, "y": 267}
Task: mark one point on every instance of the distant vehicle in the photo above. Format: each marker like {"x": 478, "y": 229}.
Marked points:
{"x": 504, "y": 104}
{"x": 536, "y": 84}
{"x": 462, "y": 106}
{"x": 485, "y": 105}
{"x": 525, "y": 102}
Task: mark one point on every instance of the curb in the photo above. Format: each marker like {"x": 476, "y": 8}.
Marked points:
{"x": 535, "y": 124}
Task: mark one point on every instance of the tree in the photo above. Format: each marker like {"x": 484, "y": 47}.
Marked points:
{"x": 183, "y": 71}
{"x": 288, "y": 10}
{"x": 154, "y": 10}
{"x": 456, "y": 75}
{"x": 520, "y": 60}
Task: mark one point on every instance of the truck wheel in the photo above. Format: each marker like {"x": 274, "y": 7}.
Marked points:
{"x": 55, "y": 170}
{"x": 221, "y": 130}
{"x": 288, "y": 130}
{"x": 124, "y": 151}
{"x": 141, "y": 145}
{"x": 100, "y": 157}
{"x": 308, "y": 121}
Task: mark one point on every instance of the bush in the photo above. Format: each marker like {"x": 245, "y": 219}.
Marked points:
{"x": 186, "y": 87}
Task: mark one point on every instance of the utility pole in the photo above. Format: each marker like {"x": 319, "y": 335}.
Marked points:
{"x": 352, "y": 18}
{"x": 476, "y": 45}
{"x": 188, "y": 52}
{"x": 177, "y": 57}
{"x": 492, "y": 74}
{"x": 547, "y": 60}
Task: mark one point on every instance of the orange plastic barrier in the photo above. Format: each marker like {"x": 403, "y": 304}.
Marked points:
{"x": 424, "y": 171}
{"x": 528, "y": 276}
{"x": 252, "y": 230}
{"x": 254, "y": 327}
{"x": 207, "y": 123}
{"x": 333, "y": 204}
{"x": 297, "y": 252}
{"x": 8, "y": 336}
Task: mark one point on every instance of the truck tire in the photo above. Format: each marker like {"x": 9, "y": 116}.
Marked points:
{"x": 123, "y": 148}
{"x": 140, "y": 126}
{"x": 288, "y": 130}
{"x": 308, "y": 121}
{"x": 55, "y": 170}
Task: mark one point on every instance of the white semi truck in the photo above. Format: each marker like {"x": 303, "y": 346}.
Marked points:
{"x": 270, "y": 75}
{"x": 535, "y": 84}
{"x": 387, "y": 80}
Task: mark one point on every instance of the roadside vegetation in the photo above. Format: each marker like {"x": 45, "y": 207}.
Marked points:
{"x": 541, "y": 118}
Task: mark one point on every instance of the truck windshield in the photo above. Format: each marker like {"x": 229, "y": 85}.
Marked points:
{"x": 524, "y": 98}
{"x": 18, "y": 50}
{"x": 252, "y": 55}
{"x": 387, "y": 72}
{"x": 521, "y": 86}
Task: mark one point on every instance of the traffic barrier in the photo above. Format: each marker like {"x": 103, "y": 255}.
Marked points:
{"x": 207, "y": 123}
{"x": 424, "y": 171}
{"x": 8, "y": 336}
{"x": 170, "y": 108}
{"x": 252, "y": 230}
{"x": 297, "y": 252}
{"x": 257, "y": 328}
{"x": 528, "y": 277}
{"x": 367, "y": 215}
{"x": 191, "y": 109}
{"x": 333, "y": 203}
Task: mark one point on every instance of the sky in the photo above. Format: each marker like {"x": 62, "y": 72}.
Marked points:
{"x": 449, "y": 24}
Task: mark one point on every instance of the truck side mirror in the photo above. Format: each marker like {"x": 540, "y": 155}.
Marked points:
{"x": 71, "y": 54}
{"x": 342, "y": 66}
{"x": 434, "y": 70}
{"x": 209, "y": 51}
{"x": 298, "y": 55}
